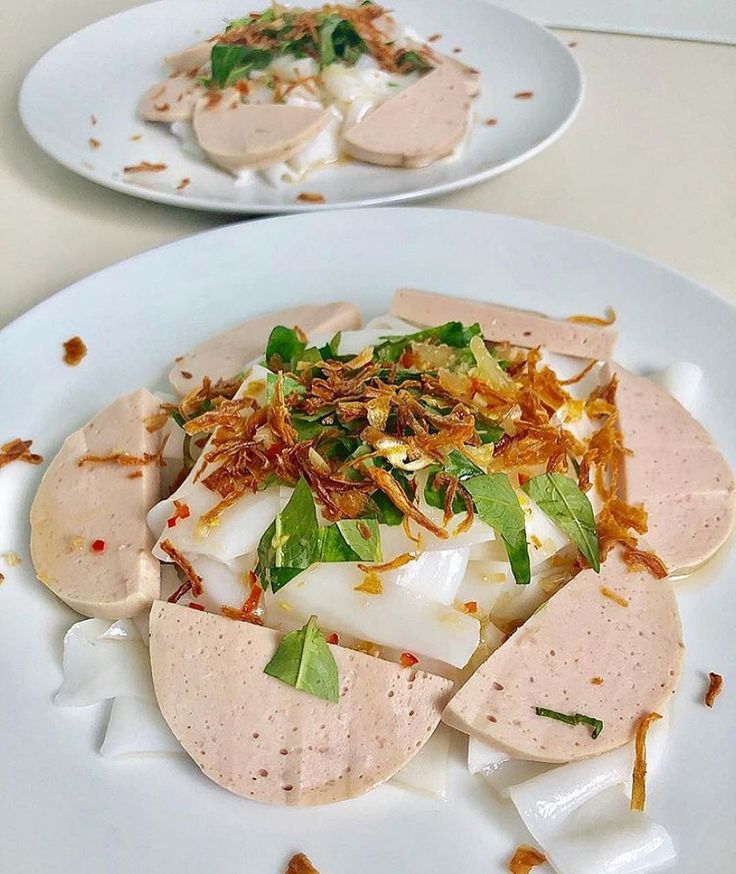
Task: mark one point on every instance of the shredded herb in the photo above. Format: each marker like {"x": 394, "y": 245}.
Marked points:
{"x": 303, "y": 660}
{"x": 573, "y": 719}
{"x": 233, "y": 62}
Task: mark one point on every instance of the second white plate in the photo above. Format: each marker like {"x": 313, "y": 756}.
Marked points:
{"x": 101, "y": 71}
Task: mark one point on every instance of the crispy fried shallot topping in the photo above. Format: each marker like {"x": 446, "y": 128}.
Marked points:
{"x": 714, "y": 688}
{"x": 18, "y": 450}
{"x": 193, "y": 580}
{"x": 638, "y": 785}
{"x": 300, "y": 864}
{"x": 595, "y": 320}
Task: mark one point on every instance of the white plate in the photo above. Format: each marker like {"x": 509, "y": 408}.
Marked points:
{"x": 69, "y": 811}
{"x": 104, "y": 69}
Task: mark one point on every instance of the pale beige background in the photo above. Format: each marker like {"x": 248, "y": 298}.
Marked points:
{"x": 649, "y": 164}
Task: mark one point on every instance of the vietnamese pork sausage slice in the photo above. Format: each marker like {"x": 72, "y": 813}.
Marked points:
{"x": 501, "y": 323}
{"x": 417, "y": 126}
{"x": 189, "y": 60}
{"x": 226, "y": 354}
{"x": 170, "y": 100}
{"x": 90, "y": 543}
{"x": 261, "y": 738}
{"x": 558, "y": 659}
{"x": 250, "y": 136}
{"x": 676, "y": 471}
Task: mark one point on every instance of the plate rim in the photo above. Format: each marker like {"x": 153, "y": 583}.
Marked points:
{"x": 219, "y": 206}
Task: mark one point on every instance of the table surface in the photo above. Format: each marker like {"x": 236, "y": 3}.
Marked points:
{"x": 650, "y": 164}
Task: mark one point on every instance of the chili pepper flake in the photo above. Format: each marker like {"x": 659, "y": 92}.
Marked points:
{"x": 195, "y": 606}
{"x": 638, "y": 779}
{"x": 333, "y": 638}
{"x": 407, "y": 660}
{"x": 98, "y": 546}
{"x": 181, "y": 511}
{"x": 714, "y": 688}
{"x": 524, "y": 859}
{"x": 75, "y": 350}
{"x": 300, "y": 864}
{"x": 310, "y": 197}
{"x": 470, "y": 606}
{"x": 18, "y": 450}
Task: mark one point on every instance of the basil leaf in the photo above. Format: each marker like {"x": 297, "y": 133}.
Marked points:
{"x": 488, "y": 431}
{"x": 285, "y": 344}
{"x": 233, "y": 62}
{"x": 363, "y": 537}
{"x": 387, "y": 513}
{"x": 573, "y": 719}
{"x": 290, "y": 386}
{"x": 334, "y": 547}
{"x": 290, "y": 540}
{"x": 330, "y": 351}
{"x": 239, "y": 22}
{"x": 303, "y": 660}
{"x": 453, "y": 334}
{"x": 460, "y": 466}
{"x": 560, "y": 498}
{"x": 498, "y": 506}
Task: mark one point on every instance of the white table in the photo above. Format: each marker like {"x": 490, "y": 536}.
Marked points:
{"x": 649, "y": 164}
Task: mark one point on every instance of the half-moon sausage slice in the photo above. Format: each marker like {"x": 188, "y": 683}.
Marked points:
{"x": 261, "y": 738}
{"x": 250, "y": 136}
{"x": 419, "y": 125}
{"x": 557, "y": 659}
{"x": 190, "y": 59}
{"x": 170, "y": 100}
{"x": 225, "y": 355}
{"x": 501, "y": 323}
{"x": 90, "y": 543}
{"x": 676, "y": 471}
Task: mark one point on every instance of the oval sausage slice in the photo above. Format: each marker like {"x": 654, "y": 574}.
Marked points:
{"x": 261, "y": 738}
{"x": 170, "y": 100}
{"x": 501, "y": 323}
{"x": 557, "y": 658}
{"x": 676, "y": 471}
{"x": 225, "y": 355}
{"x": 76, "y": 506}
{"x": 421, "y": 124}
{"x": 250, "y": 136}
{"x": 191, "y": 59}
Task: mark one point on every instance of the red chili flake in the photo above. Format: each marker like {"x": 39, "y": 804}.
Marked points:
{"x": 181, "y": 511}
{"x": 333, "y": 638}
{"x": 310, "y": 197}
{"x": 195, "y": 606}
{"x": 74, "y": 351}
{"x": 94, "y": 143}
{"x": 98, "y": 546}
{"x": 523, "y": 479}
{"x": 407, "y": 660}
{"x": 523, "y": 95}
{"x": 471, "y": 606}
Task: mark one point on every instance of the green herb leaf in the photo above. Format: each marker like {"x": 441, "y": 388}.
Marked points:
{"x": 334, "y": 547}
{"x": 573, "y": 719}
{"x": 284, "y": 343}
{"x": 290, "y": 540}
{"x": 488, "y": 431}
{"x": 498, "y": 506}
{"x": 387, "y": 513}
{"x": 233, "y": 62}
{"x": 560, "y": 498}
{"x": 412, "y": 62}
{"x": 330, "y": 351}
{"x": 290, "y": 386}
{"x": 456, "y": 465}
{"x": 303, "y": 660}
{"x": 239, "y": 22}
{"x": 363, "y": 537}
{"x": 339, "y": 41}
{"x": 453, "y": 334}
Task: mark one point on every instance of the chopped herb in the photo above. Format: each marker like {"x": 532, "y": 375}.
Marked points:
{"x": 412, "y": 62}
{"x": 303, "y": 660}
{"x": 457, "y": 465}
{"x": 573, "y": 719}
{"x": 285, "y": 346}
{"x": 498, "y": 506}
{"x": 233, "y": 62}
{"x": 453, "y": 334}
{"x": 387, "y": 513}
{"x": 330, "y": 350}
{"x": 560, "y": 498}
{"x": 339, "y": 41}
